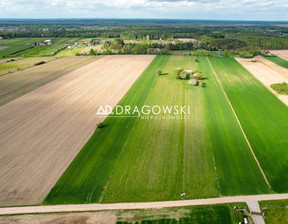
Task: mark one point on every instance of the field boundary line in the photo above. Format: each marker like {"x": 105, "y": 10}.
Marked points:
{"x": 239, "y": 123}
{"x": 136, "y": 205}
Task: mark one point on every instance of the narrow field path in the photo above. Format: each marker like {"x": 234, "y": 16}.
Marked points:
{"x": 140, "y": 205}
{"x": 238, "y": 121}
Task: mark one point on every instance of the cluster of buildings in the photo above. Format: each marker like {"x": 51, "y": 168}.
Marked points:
{"x": 41, "y": 43}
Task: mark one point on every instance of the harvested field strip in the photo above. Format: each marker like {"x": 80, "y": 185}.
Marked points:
{"x": 264, "y": 119}
{"x": 278, "y": 61}
{"x": 87, "y": 175}
{"x": 171, "y": 151}
{"x": 22, "y": 82}
{"x": 230, "y": 148}
{"x": 53, "y": 124}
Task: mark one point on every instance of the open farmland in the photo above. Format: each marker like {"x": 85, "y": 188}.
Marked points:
{"x": 58, "y": 44}
{"x": 280, "y": 53}
{"x": 215, "y": 214}
{"x": 54, "y": 122}
{"x": 278, "y": 61}
{"x": 16, "y": 46}
{"x": 268, "y": 73}
{"x": 264, "y": 119}
{"x": 8, "y": 66}
{"x": 156, "y": 159}
{"x": 21, "y": 82}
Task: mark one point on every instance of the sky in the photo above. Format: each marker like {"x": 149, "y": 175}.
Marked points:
{"x": 263, "y": 10}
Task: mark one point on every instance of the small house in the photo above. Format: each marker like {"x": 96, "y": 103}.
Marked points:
{"x": 1, "y": 38}
{"x": 48, "y": 42}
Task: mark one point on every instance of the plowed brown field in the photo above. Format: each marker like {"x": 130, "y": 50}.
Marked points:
{"x": 42, "y": 131}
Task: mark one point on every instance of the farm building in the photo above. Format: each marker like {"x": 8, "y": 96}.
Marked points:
{"x": 48, "y": 42}
{"x": 189, "y": 71}
{"x": 1, "y": 38}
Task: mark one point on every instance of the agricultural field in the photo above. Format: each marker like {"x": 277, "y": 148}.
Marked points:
{"x": 16, "y": 45}
{"x": 264, "y": 119}
{"x": 12, "y": 65}
{"x": 74, "y": 50}
{"x": 205, "y": 155}
{"x": 267, "y": 72}
{"x": 216, "y": 214}
{"x": 280, "y": 53}
{"x": 22, "y": 82}
{"x": 278, "y": 61}
{"x": 58, "y": 44}
{"x": 275, "y": 211}
{"x": 61, "y": 116}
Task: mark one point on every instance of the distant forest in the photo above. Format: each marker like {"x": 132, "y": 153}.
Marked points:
{"x": 237, "y": 37}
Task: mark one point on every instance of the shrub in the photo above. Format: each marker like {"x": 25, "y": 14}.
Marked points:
{"x": 158, "y": 71}
{"x": 92, "y": 52}
{"x": 100, "y": 125}
{"x": 238, "y": 215}
{"x": 179, "y": 70}
{"x": 39, "y": 63}
{"x": 281, "y": 88}
{"x": 184, "y": 75}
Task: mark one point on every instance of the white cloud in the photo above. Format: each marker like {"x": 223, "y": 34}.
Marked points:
{"x": 171, "y": 9}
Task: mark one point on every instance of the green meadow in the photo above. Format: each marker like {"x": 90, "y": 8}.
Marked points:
{"x": 204, "y": 155}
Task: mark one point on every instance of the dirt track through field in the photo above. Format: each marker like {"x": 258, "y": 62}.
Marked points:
{"x": 281, "y": 53}
{"x": 42, "y": 131}
{"x": 138, "y": 205}
{"x": 268, "y": 73}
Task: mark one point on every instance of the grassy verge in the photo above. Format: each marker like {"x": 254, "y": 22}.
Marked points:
{"x": 263, "y": 116}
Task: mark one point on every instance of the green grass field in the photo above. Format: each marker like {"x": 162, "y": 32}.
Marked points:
{"x": 16, "y": 46}
{"x": 134, "y": 159}
{"x": 21, "y": 63}
{"x": 21, "y": 82}
{"x": 275, "y": 211}
{"x": 278, "y": 61}
{"x": 58, "y": 44}
{"x": 216, "y": 214}
{"x": 263, "y": 116}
